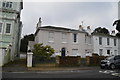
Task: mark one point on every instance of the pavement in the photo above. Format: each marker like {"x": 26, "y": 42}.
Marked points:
{"x": 19, "y": 69}
{"x": 20, "y": 66}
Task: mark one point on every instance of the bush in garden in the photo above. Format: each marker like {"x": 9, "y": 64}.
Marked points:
{"x": 42, "y": 52}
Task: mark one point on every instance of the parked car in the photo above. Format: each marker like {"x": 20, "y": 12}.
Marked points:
{"x": 111, "y": 62}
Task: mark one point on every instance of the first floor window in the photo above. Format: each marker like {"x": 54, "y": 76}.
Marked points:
{"x": 75, "y": 38}
{"x": 7, "y": 4}
{"x": 3, "y": 4}
{"x": 1, "y": 27}
{"x": 100, "y": 40}
{"x": 115, "y": 42}
{"x": 108, "y": 41}
{"x": 8, "y": 28}
{"x": 51, "y": 36}
{"x": 64, "y": 37}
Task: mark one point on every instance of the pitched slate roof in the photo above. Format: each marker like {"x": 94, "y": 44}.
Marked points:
{"x": 58, "y": 28}
{"x": 101, "y": 34}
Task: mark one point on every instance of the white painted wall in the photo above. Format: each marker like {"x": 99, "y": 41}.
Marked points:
{"x": 119, "y": 46}
{"x": 29, "y": 59}
{"x": 104, "y": 45}
{"x": 2, "y": 54}
{"x": 42, "y": 37}
{"x": 1, "y": 57}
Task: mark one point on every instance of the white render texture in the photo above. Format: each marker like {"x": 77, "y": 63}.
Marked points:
{"x": 79, "y": 48}
{"x": 104, "y": 45}
{"x": 29, "y": 59}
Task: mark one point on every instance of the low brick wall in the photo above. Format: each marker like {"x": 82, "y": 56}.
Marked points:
{"x": 68, "y": 61}
{"x": 94, "y": 60}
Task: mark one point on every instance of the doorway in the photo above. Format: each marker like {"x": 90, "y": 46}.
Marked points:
{"x": 63, "y": 52}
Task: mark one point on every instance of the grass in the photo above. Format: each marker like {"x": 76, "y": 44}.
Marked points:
{"x": 19, "y": 62}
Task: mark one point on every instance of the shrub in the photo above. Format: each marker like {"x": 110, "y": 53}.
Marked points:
{"x": 42, "y": 52}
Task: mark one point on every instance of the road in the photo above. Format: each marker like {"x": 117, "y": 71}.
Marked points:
{"x": 97, "y": 73}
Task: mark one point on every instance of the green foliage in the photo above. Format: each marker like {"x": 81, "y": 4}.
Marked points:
{"x": 24, "y": 42}
{"x": 101, "y": 30}
{"x": 43, "y": 52}
{"x": 118, "y": 35}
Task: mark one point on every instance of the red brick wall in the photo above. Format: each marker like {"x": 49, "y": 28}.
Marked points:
{"x": 68, "y": 61}
{"x": 94, "y": 60}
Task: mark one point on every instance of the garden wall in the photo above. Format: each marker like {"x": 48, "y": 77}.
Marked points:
{"x": 94, "y": 60}
{"x": 68, "y": 61}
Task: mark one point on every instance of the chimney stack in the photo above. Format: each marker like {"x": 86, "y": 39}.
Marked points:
{"x": 113, "y": 33}
{"x": 39, "y": 23}
{"x": 80, "y": 28}
{"x": 88, "y": 30}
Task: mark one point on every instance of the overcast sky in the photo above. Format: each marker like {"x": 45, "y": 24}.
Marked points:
{"x": 68, "y": 14}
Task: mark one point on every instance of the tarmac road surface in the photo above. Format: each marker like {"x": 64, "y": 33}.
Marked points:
{"x": 59, "y": 74}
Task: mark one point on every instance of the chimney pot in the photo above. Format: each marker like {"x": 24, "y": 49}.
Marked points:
{"x": 80, "y": 27}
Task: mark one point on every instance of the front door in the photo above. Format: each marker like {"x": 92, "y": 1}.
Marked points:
{"x": 63, "y": 52}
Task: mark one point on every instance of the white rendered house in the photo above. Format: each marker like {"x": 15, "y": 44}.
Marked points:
{"x": 71, "y": 42}
{"x": 65, "y": 41}
{"x": 105, "y": 45}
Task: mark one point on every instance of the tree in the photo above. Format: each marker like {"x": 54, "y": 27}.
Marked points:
{"x": 118, "y": 34}
{"x": 117, "y": 23}
{"x": 101, "y": 30}
{"x": 24, "y": 42}
{"x": 43, "y": 52}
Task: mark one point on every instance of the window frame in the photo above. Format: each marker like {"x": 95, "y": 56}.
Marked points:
{"x": 1, "y": 27}
{"x": 6, "y": 28}
{"x": 108, "y": 41}
{"x": 100, "y": 40}
{"x": 75, "y": 38}
{"x": 100, "y": 52}
{"x": 115, "y": 42}
{"x": 108, "y": 52}
{"x": 50, "y": 38}
{"x": 64, "y": 37}
{"x": 73, "y": 52}
{"x": 7, "y": 4}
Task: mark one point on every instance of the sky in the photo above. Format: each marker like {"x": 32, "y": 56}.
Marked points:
{"x": 69, "y": 14}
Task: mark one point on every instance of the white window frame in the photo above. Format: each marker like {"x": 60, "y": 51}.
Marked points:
{"x": 76, "y": 38}
{"x": 1, "y": 28}
{"x": 10, "y": 4}
{"x": 115, "y": 42}
{"x": 101, "y": 52}
{"x": 100, "y": 40}
{"x": 64, "y": 37}
{"x": 10, "y": 28}
{"x": 74, "y": 52}
{"x": 108, "y": 41}
{"x": 50, "y": 38}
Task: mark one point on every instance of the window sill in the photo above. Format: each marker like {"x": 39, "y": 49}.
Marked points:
{"x": 9, "y": 34}
{"x": 75, "y": 43}
{"x": 64, "y": 42}
{"x": 88, "y": 44}
{"x": 51, "y": 41}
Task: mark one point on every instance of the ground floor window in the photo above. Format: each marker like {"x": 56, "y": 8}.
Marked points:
{"x": 75, "y": 52}
{"x": 108, "y": 52}
{"x": 100, "y": 52}
{"x": 115, "y": 52}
